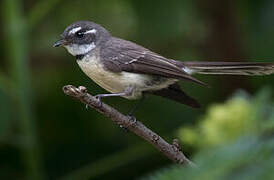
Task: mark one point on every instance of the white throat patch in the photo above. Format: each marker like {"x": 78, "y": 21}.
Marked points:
{"x": 76, "y": 49}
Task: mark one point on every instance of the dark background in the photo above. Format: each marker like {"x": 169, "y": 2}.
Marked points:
{"x": 47, "y": 135}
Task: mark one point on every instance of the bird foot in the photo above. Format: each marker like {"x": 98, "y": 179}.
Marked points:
{"x": 98, "y": 97}
{"x": 132, "y": 120}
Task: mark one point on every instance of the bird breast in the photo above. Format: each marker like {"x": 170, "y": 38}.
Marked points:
{"x": 118, "y": 82}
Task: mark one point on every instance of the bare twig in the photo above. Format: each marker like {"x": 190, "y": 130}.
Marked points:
{"x": 172, "y": 151}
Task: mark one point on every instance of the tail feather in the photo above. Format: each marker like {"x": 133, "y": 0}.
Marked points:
{"x": 230, "y": 68}
{"x": 174, "y": 92}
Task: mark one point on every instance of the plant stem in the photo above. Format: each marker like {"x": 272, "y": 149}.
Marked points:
{"x": 17, "y": 54}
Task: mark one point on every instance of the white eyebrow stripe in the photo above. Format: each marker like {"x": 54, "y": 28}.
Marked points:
{"x": 93, "y": 31}
{"x": 74, "y": 30}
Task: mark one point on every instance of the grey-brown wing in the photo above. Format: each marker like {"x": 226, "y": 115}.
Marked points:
{"x": 121, "y": 55}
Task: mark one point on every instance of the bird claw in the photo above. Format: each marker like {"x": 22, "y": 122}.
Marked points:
{"x": 132, "y": 118}
{"x": 98, "y": 97}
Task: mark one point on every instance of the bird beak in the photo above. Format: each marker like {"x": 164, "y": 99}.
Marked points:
{"x": 60, "y": 42}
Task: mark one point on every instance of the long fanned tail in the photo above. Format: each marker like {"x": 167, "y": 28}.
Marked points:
{"x": 230, "y": 68}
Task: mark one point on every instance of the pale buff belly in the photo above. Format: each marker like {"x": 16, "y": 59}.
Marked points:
{"x": 119, "y": 82}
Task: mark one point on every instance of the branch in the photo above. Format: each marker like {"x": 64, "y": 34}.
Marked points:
{"x": 172, "y": 151}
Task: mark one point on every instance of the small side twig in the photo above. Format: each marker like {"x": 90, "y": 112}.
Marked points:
{"x": 172, "y": 151}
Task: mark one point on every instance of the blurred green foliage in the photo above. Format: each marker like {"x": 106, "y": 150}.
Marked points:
{"x": 5, "y": 123}
{"x": 46, "y": 135}
{"x": 239, "y": 116}
{"x": 249, "y": 158}
{"x": 235, "y": 141}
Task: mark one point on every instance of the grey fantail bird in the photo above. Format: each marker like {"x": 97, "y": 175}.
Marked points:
{"x": 130, "y": 70}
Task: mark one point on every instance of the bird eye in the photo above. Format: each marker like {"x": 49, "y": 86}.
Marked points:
{"x": 80, "y": 34}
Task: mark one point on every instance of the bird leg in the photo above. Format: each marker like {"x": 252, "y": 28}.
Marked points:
{"x": 127, "y": 92}
{"x": 134, "y": 109}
